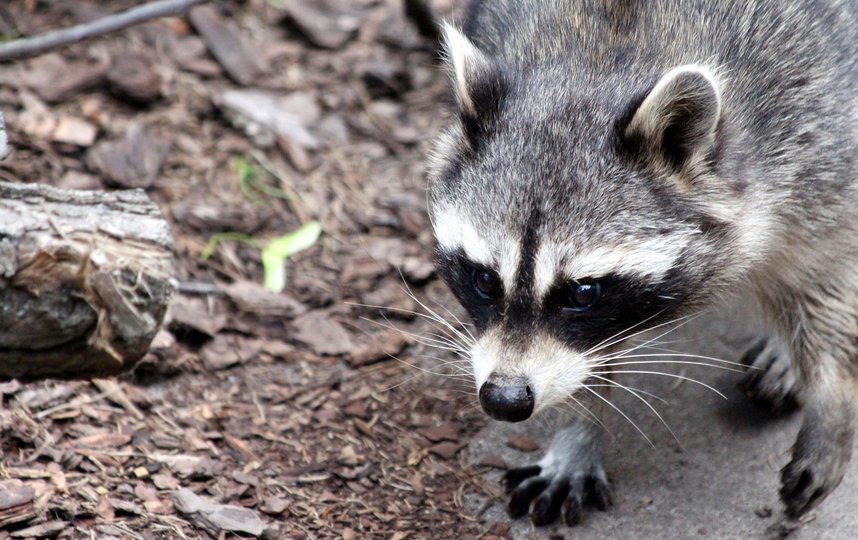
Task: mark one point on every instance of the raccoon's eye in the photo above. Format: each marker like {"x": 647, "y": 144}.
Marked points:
{"x": 486, "y": 283}
{"x": 583, "y": 295}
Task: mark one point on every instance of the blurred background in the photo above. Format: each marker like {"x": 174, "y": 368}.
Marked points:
{"x": 245, "y": 122}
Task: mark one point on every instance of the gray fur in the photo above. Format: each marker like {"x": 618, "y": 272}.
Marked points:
{"x": 759, "y": 190}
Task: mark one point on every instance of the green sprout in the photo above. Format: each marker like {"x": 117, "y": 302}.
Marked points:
{"x": 251, "y": 183}
{"x": 274, "y": 252}
{"x": 220, "y": 237}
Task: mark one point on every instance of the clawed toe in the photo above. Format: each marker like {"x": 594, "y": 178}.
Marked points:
{"x": 547, "y": 498}
{"x": 800, "y": 489}
{"x": 769, "y": 379}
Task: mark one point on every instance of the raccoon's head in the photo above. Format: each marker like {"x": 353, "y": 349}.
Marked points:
{"x": 569, "y": 212}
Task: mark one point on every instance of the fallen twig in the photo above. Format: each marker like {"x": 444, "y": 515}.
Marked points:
{"x": 36, "y": 45}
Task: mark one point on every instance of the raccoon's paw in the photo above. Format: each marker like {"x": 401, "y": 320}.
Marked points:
{"x": 819, "y": 461}
{"x": 769, "y": 379}
{"x": 547, "y": 490}
{"x": 807, "y": 480}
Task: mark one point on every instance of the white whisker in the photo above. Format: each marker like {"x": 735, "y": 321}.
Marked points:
{"x": 432, "y": 321}
{"x": 624, "y": 415}
{"x": 439, "y": 318}
{"x": 684, "y": 320}
{"x": 672, "y": 375}
{"x": 619, "y": 337}
{"x": 429, "y": 342}
{"x": 645, "y": 402}
{"x": 683, "y": 362}
{"x": 622, "y": 355}
{"x": 591, "y": 416}
{"x": 614, "y": 384}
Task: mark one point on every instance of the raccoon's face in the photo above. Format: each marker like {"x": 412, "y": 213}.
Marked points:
{"x": 567, "y": 219}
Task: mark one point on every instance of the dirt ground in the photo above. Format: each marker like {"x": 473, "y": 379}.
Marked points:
{"x": 289, "y": 409}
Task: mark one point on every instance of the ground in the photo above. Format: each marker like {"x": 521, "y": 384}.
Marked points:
{"x": 320, "y": 415}
{"x": 293, "y": 407}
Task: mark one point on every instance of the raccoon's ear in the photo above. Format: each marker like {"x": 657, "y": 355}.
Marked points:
{"x": 679, "y": 118}
{"x": 479, "y": 81}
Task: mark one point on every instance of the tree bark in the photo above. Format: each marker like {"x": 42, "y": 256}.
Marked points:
{"x": 85, "y": 279}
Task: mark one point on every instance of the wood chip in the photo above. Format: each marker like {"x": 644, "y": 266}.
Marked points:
{"x": 255, "y": 111}
{"x": 158, "y": 507}
{"x": 224, "y": 40}
{"x": 240, "y": 446}
{"x": 133, "y": 75}
{"x": 357, "y": 409}
{"x": 71, "y": 130}
{"x": 274, "y": 505}
{"x": 56, "y": 81}
{"x": 523, "y": 444}
{"x": 321, "y": 24}
{"x": 116, "y": 393}
{"x": 165, "y": 481}
{"x": 192, "y": 313}
{"x": 383, "y": 347}
{"x": 133, "y": 161}
{"x": 349, "y": 457}
{"x": 103, "y": 440}
{"x": 417, "y": 271}
{"x": 217, "y": 518}
{"x": 127, "y": 507}
{"x": 446, "y": 450}
{"x": 494, "y": 461}
{"x": 78, "y": 180}
{"x": 226, "y": 351}
{"x": 16, "y": 502}
{"x": 249, "y": 296}
{"x": 43, "y": 530}
{"x": 444, "y": 432}
{"x": 324, "y": 335}
{"x": 189, "y": 466}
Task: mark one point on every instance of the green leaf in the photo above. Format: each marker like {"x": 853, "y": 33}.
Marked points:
{"x": 275, "y": 253}
{"x": 220, "y": 237}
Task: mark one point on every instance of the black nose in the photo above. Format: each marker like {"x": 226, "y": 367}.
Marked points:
{"x": 510, "y": 403}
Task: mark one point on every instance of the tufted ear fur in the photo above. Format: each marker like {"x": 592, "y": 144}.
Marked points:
{"x": 479, "y": 82}
{"x": 679, "y": 118}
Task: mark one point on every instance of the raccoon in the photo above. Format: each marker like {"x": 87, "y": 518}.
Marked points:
{"x": 615, "y": 164}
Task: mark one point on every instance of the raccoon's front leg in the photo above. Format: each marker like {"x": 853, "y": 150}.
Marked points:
{"x": 568, "y": 476}
{"x": 826, "y": 356}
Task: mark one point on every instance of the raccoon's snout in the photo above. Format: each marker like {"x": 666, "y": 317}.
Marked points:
{"x": 510, "y": 402}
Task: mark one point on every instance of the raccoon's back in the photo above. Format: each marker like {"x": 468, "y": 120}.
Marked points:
{"x": 789, "y": 67}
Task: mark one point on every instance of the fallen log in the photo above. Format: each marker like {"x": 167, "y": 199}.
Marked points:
{"x": 85, "y": 279}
